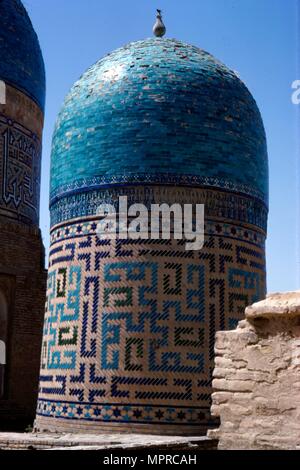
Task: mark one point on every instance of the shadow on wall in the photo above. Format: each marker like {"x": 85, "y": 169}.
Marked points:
{"x": 3, "y": 341}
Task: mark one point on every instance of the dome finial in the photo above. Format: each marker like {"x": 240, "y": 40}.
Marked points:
{"x": 159, "y": 29}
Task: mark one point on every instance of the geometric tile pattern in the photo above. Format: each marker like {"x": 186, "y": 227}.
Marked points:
{"x": 238, "y": 207}
{"x": 20, "y": 151}
{"x": 117, "y": 413}
{"x": 81, "y": 228}
{"x": 130, "y": 325}
{"x": 138, "y": 178}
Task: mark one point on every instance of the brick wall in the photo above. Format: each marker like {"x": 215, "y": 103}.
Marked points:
{"x": 23, "y": 283}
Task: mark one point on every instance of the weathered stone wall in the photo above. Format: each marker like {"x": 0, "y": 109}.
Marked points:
{"x": 257, "y": 377}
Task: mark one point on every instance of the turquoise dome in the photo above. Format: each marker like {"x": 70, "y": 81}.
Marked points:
{"x": 159, "y": 111}
{"x": 21, "y": 61}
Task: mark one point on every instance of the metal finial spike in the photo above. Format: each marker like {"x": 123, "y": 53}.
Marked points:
{"x": 159, "y": 29}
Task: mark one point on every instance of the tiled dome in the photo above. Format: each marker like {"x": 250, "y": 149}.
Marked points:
{"x": 159, "y": 111}
{"x": 21, "y": 61}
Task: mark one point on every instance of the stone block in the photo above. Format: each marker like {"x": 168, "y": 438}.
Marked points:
{"x": 257, "y": 388}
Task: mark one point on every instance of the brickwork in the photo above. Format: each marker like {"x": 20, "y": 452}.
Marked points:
{"x": 24, "y": 287}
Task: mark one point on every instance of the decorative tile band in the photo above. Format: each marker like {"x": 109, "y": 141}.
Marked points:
{"x": 101, "y": 182}
{"x": 218, "y": 204}
{"x": 118, "y": 413}
{"x": 79, "y": 229}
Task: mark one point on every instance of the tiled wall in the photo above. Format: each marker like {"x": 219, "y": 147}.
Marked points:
{"x": 130, "y": 325}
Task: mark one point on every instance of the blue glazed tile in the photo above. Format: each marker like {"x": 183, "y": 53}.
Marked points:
{"x": 159, "y": 111}
{"x": 21, "y": 61}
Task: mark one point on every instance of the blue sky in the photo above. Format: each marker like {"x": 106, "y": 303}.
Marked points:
{"x": 257, "y": 38}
